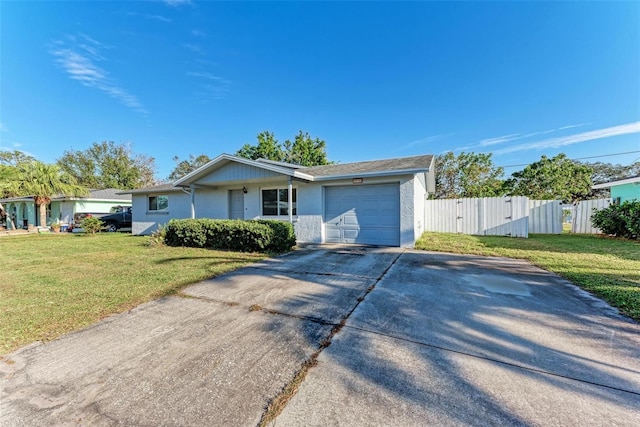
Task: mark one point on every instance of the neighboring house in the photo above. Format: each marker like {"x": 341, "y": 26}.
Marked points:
{"x": 377, "y": 202}
{"x": 622, "y": 190}
{"x": 24, "y": 212}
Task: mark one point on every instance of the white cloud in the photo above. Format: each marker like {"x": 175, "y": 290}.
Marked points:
{"x": 194, "y": 48}
{"x": 198, "y": 33}
{"x": 3, "y": 127}
{"x": 208, "y": 76}
{"x": 79, "y": 62}
{"x": 562, "y": 141}
{"x": 426, "y": 140}
{"x": 158, "y": 18}
{"x": 499, "y": 140}
{"x": 176, "y": 3}
{"x": 215, "y": 87}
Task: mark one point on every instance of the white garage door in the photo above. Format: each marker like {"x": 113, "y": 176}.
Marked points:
{"x": 367, "y": 214}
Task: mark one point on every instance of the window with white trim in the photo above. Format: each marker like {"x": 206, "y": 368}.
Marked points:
{"x": 158, "y": 203}
{"x": 275, "y": 202}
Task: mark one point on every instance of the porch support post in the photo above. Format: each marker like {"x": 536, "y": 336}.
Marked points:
{"x": 290, "y": 202}
{"x": 193, "y": 202}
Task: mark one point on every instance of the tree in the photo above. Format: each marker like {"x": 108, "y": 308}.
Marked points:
{"x": 606, "y": 172}
{"x": 183, "y": 167}
{"x": 268, "y": 147}
{"x": 467, "y": 175}
{"x": 9, "y": 161}
{"x": 304, "y": 150}
{"x": 14, "y": 158}
{"x": 42, "y": 181}
{"x": 552, "y": 178}
{"x": 109, "y": 165}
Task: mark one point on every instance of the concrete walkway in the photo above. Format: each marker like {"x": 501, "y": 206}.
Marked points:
{"x": 439, "y": 339}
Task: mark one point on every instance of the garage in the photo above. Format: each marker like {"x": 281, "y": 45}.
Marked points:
{"x": 366, "y": 214}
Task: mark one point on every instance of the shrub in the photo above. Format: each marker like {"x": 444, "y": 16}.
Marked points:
{"x": 91, "y": 224}
{"x": 622, "y": 220}
{"x": 157, "y": 237}
{"x": 284, "y": 236}
{"x": 237, "y": 235}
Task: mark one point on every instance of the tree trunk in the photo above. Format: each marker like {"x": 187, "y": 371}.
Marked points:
{"x": 43, "y": 215}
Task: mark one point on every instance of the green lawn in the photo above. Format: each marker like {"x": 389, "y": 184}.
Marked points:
{"x": 607, "y": 267}
{"x": 56, "y": 283}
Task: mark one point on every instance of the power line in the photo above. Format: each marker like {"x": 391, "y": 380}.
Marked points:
{"x": 584, "y": 158}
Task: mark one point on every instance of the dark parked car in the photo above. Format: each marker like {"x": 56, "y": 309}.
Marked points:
{"x": 117, "y": 220}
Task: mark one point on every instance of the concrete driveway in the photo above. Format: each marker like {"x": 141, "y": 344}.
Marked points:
{"x": 428, "y": 339}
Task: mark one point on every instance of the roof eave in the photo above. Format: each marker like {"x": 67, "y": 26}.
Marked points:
{"x": 371, "y": 174}
{"x": 188, "y": 179}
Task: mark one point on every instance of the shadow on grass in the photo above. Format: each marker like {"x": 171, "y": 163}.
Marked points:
{"x": 568, "y": 244}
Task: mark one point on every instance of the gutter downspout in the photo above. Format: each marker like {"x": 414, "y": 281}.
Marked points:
{"x": 290, "y": 202}
{"x": 193, "y": 200}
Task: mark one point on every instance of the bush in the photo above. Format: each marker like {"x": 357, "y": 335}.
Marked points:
{"x": 622, "y": 220}
{"x": 237, "y": 235}
{"x": 284, "y": 236}
{"x": 157, "y": 237}
{"x": 91, "y": 224}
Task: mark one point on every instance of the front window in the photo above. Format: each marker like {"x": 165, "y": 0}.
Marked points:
{"x": 158, "y": 203}
{"x": 275, "y": 202}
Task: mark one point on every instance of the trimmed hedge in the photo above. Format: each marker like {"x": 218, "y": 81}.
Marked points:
{"x": 235, "y": 235}
{"x": 622, "y": 220}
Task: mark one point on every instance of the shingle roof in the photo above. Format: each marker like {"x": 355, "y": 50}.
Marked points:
{"x": 160, "y": 188}
{"x": 387, "y": 165}
{"x": 109, "y": 194}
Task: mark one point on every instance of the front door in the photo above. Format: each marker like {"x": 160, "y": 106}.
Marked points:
{"x": 236, "y": 205}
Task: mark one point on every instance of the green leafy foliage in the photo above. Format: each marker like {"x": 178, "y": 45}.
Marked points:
{"x": 304, "y": 150}
{"x": 607, "y": 172}
{"x": 157, "y": 238}
{"x": 14, "y": 158}
{"x": 467, "y": 175}
{"x": 91, "y": 225}
{"x": 40, "y": 180}
{"x": 236, "y": 235}
{"x": 184, "y": 167}
{"x": 109, "y": 165}
{"x": 622, "y": 220}
{"x": 552, "y": 178}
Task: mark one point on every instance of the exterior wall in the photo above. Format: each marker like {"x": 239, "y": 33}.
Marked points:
{"x": 419, "y": 197}
{"x": 309, "y": 223}
{"x": 210, "y": 203}
{"x": 97, "y": 206}
{"x": 234, "y": 172}
{"x": 626, "y": 192}
{"x": 146, "y": 222}
{"x": 21, "y": 211}
{"x": 66, "y": 212}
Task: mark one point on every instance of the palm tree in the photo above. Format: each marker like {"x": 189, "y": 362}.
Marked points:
{"x": 43, "y": 181}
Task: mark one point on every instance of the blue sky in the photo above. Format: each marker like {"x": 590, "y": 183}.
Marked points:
{"x": 374, "y": 80}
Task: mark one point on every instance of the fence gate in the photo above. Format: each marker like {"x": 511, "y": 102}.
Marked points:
{"x": 489, "y": 216}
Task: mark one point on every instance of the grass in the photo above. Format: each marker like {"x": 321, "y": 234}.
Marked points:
{"x": 56, "y": 283}
{"x": 606, "y": 267}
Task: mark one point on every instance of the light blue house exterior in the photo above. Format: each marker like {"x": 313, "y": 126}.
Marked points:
{"x": 22, "y": 212}
{"x": 623, "y": 190}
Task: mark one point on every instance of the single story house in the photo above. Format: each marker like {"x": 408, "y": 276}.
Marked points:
{"x": 375, "y": 202}
{"x": 622, "y": 190}
{"x": 24, "y": 213}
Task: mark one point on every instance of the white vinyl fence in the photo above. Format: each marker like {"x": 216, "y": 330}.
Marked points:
{"x": 581, "y": 216}
{"x": 488, "y": 216}
{"x": 545, "y": 216}
{"x": 494, "y": 216}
